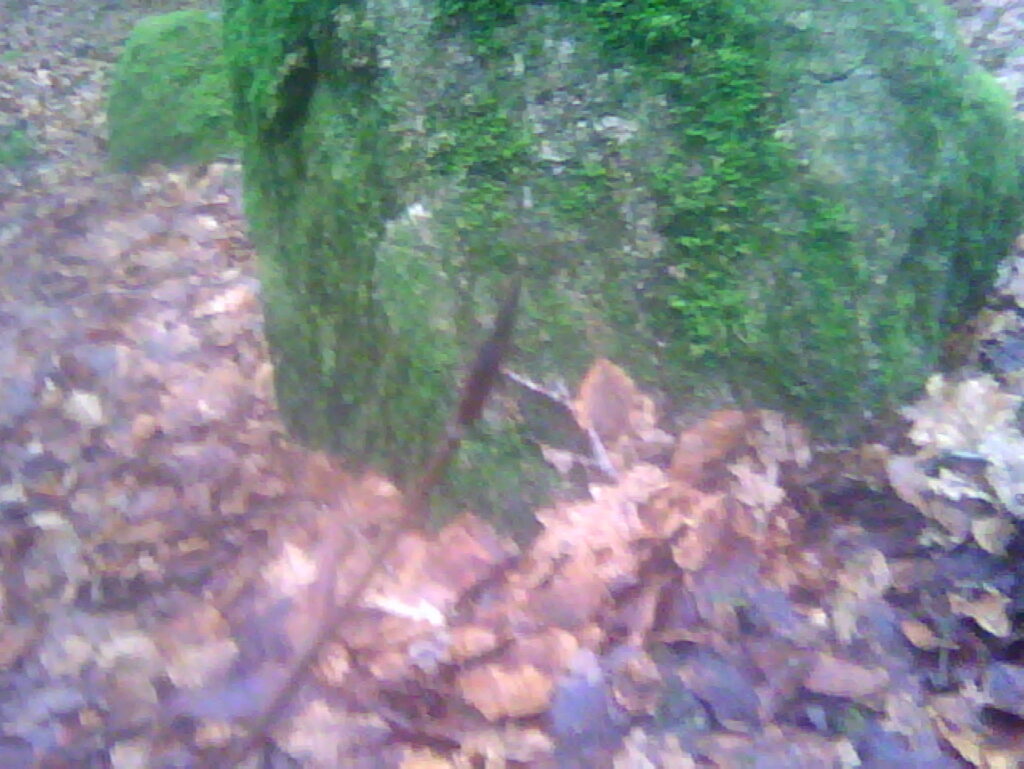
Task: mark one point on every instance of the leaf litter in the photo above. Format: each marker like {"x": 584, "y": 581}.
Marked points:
{"x": 725, "y": 595}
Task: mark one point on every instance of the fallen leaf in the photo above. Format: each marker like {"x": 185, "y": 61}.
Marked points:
{"x": 424, "y": 759}
{"x": 989, "y": 611}
{"x": 605, "y": 401}
{"x": 1004, "y": 687}
{"x": 711, "y": 440}
{"x": 836, "y": 677}
{"x": 993, "y": 534}
{"x": 503, "y": 691}
{"x": 922, "y": 636}
{"x": 84, "y": 408}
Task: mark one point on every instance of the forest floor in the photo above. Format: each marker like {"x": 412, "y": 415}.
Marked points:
{"x": 166, "y": 553}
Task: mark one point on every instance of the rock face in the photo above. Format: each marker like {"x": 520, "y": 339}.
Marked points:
{"x": 788, "y": 201}
{"x": 169, "y": 98}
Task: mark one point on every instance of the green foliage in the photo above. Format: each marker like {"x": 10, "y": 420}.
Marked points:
{"x": 269, "y": 45}
{"x": 16, "y": 146}
{"x": 169, "y": 100}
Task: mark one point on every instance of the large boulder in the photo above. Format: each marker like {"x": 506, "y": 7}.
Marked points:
{"x": 782, "y": 201}
{"x": 169, "y": 97}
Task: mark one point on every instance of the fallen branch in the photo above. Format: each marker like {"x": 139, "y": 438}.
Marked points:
{"x": 475, "y": 390}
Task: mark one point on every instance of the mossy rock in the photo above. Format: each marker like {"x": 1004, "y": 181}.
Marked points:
{"x": 169, "y": 99}
{"x": 787, "y": 202}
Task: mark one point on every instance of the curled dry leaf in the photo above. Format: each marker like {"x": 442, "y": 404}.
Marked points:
{"x": 988, "y": 610}
{"x": 993, "y": 534}
{"x": 955, "y": 718}
{"x": 504, "y": 691}
{"x": 610, "y": 407}
{"x": 606, "y": 400}
{"x": 937, "y": 498}
{"x": 710, "y": 441}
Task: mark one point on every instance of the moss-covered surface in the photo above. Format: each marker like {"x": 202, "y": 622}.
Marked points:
{"x": 16, "y": 146}
{"x": 170, "y": 100}
{"x": 789, "y": 201}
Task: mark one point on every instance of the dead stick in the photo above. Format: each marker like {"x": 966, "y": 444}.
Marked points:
{"x": 477, "y": 386}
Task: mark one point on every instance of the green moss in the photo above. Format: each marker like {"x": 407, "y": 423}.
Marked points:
{"x": 500, "y": 475}
{"x": 16, "y": 146}
{"x": 698, "y": 189}
{"x": 169, "y": 99}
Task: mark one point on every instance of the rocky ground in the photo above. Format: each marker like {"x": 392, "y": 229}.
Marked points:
{"x": 165, "y": 553}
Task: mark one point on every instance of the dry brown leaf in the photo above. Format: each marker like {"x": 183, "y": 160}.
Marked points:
{"x": 922, "y": 636}
{"x": 711, "y": 440}
{"x": 705, "y": 521}
{"x": 603, "y": 530}
{"x": 472, "y": 641}
{"x": 502, "y": 691}
{"x": 958, "y": 416}
{"x": 334, "y": 664}
{"x": 779, "y": 440}
{"x": 756, "y": 488}
{"x": 637, "y": 685}
{"x": 927, "y": 494}
{"x": 508, "y": 743}
{"x": 1004, "y": 451}
{"x": 641, "y": 750}
{"x": 606, "y": 401}
{"x": 573, "y": 596}
{"x": 976, "y": 417}
{"x": 908, "y": 480}
{"x": 993, "y": 534}
{"x": 988, "y": 610}
{"x": 956, "y": 720}
{"x": 547, "y": 649}
{"x": 955, "y": 487}
{"x": 836, "y": 677}
{"x": 866, "y": 574}
{"x": 324, "y": 735}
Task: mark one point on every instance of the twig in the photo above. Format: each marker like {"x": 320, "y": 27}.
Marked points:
{"x": 475, "y": 390}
